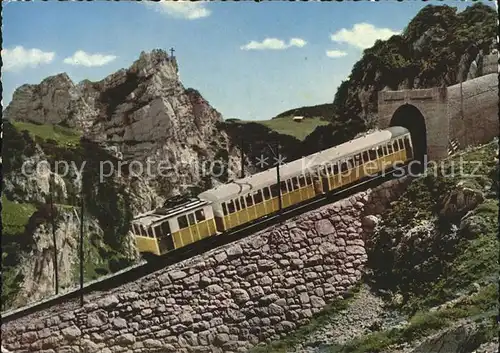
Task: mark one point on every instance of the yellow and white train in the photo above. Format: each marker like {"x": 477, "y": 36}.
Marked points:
{"x": 185, "y": 221}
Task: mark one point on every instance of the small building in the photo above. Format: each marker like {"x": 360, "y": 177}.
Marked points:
{"x": 298, "y": 118}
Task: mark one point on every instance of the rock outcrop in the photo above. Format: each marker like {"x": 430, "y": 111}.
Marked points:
{"x": 439, "y": 47}
{"x": 142, "y": 114}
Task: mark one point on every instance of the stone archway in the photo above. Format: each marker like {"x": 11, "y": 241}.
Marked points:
{"x": 410, "y": 117}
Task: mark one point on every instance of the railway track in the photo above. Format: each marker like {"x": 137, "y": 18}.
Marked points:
{"x": 145, "y": 268}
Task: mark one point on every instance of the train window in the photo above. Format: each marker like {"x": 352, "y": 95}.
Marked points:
{"x": 366, "y": 158}
{"x": 249, "y": 200}
{"x": 389, "y": 148}
{"x": 275, "y": 190}
{"x": 230, "y": 206}
{"x": 401, "y": 144}
{"x": 302, "y": 181}
{"x": 267, "y": 194}
{"x": 395, "y": 145}
{"x": 385, "y": 150}
{"x": 165, "y": 228}
{"x": 290, "y": 185}
{"x": 143, "y": 231}
{"x": 357, "y": 160}
{"x": 237, "y": 203}
{"x": 295, "y": 183}
{"x": 200, "y": 216}
{"x": 158, "y": 231}
{"x": 283, "y": 187}
{"x": 257, "y": 197}
{"x": 242, "y": 202}
{"x": 335, "y": 168}
{"x": 372, "y": 154}
{"x": 380, "y": 152}
{"x": 150, "y": 232}
{"x": 224, "y": 208}
{"x": 343, "y": 166}
{"x": 191, "y": 219}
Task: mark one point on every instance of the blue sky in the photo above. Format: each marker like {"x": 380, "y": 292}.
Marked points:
{"x": 249, "y": 60}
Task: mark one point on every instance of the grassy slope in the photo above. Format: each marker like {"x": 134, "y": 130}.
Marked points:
{"x": 286, "y": 126}
{"x": 15, "y": 216}
{"x": 63, "y": 135}
{"x": 476, "y": 262}
{"x": 58, "y": 143}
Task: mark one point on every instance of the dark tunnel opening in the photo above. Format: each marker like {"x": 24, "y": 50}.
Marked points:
{"x": 409, "y": 117}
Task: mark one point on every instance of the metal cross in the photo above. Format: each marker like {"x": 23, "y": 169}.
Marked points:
{"x": 172, "y": 52}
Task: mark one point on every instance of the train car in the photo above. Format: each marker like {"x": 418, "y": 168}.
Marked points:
{"x": 250, "y": 198}
{"x": 365, "y": 157}
{"x": 178, "y": 223}
{"x": 184, "y": 221}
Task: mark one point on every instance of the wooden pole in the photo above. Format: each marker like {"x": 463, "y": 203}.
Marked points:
{"x": 54, "y": 240}
{"x": 278, "y": 176}
{"x": 81, "y": 245}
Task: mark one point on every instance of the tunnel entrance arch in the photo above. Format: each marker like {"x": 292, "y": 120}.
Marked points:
{"x": 410, "y": 117}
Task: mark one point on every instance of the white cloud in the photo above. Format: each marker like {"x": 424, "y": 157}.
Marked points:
{"x": 335, "y": 53}
{"x": 181, "y": 9}
{"x": 274, "y": 44}
{"x": 362, "y": 35}
{"x": 81, "y": 58}
{"x": 19, "y": 58}
{"x": 297, "y": 42}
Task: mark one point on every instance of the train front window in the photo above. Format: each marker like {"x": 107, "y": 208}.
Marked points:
{"x": 158, "y": 231}
{"x": 395, "y": 146}
{"x": 183, "y": 222}
{"x": 400, "y": 144}
{"x": 200, "y": 216}
{"x": 165, "y": 228}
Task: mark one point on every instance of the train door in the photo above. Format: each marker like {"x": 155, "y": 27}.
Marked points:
{"x": 318, "y": 185}
{"x": 164, "y": 237}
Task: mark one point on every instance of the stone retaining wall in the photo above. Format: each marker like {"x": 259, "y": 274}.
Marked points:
{"x": 229, "y": 299}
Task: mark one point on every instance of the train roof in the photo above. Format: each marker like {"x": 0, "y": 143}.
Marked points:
{"x": 308, "y": 163}
{"x": 151, "y": 217}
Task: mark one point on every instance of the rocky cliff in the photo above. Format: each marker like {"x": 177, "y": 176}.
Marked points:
{"x": 124, "y": 144}
{"x": 138, "y": 113}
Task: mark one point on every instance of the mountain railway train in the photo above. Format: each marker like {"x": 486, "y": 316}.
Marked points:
{"x": 181, "y": 221}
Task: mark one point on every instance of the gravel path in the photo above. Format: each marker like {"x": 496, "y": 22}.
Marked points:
{"x": 365, "y": 310}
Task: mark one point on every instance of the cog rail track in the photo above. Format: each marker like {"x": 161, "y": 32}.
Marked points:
{"x": 144, "y": 268}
